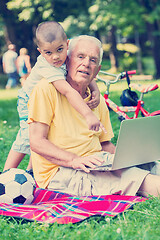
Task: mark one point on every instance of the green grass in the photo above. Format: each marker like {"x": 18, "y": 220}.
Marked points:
{"x": 140, "y": 223}
{"x": 9, "y": 124}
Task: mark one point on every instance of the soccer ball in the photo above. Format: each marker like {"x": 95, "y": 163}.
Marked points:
{"x": 16, "y": 186}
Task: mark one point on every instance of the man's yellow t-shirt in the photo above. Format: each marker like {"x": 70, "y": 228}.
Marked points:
{"x": 68, "y": 129}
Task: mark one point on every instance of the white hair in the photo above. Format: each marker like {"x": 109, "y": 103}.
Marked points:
{"x": 73, "y": 42}
{"x": 11, "y": 46}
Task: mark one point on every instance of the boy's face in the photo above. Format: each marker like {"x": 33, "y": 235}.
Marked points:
{"x": 55, "y": 53}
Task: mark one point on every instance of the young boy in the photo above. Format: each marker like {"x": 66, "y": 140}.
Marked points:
{"x": 52, "y": 44}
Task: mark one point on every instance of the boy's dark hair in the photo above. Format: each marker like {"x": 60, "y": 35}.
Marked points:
{"x": 48, "y": 32}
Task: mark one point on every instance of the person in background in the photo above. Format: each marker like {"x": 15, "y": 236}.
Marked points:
{"x": 23, "y": 64}
{"x": 9, "y": 66}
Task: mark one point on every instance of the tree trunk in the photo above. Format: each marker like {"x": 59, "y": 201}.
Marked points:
{"x": 155, "y": 40}
{"x": 153, "y": 31}
{"x": 139, "y": 59}
{"x": 156, "y": 49}
{"x": 113, "y": 54}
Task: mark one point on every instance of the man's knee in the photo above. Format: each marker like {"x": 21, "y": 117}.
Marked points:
{"x": 150, "y": 186}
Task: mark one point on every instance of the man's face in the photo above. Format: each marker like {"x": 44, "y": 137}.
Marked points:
{"x": 83, "y": 63}
{"x": 55, "y": 53}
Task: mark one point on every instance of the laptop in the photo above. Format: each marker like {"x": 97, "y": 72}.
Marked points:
{"x": 138, "y": 143}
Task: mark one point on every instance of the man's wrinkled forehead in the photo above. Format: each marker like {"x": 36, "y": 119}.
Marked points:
{"x": 87, "y": 47}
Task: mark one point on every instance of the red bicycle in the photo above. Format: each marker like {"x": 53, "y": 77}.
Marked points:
{"x": 129, "y": 99}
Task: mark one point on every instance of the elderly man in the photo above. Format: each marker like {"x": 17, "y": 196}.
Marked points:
{"x": 63, "y": 147}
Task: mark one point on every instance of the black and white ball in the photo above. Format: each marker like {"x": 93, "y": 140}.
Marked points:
{"x": 16, "y": 186}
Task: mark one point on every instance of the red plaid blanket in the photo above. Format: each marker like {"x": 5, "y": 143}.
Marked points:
{"x": 51, "y": 206}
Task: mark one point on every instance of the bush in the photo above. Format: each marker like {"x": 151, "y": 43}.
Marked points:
{"x": 127, "y": 62}
{"x": 3, "y": 80}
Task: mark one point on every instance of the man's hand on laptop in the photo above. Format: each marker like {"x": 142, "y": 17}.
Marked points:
{"x": 83, "y": 163}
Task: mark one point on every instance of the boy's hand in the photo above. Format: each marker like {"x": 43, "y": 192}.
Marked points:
{"x": 93, "y": 122}
{"x": 94, "y": 102}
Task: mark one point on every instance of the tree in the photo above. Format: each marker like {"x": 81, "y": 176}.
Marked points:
{"x": 27, "y": 14}
{"x": 151, "y": 16}
{"x": 105, "y": 19}
{"x": 116, "y": 17}
{"x": 10, "y": 22}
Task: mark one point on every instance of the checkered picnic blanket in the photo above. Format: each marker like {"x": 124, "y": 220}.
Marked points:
{"x": 52, "y": 206}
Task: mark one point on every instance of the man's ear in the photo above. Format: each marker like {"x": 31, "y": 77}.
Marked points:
{"x": 39, "y": 50}
{"x": 67, "y": 43}
{"x": 67, "y": 60}
{"x": 99, "y": 68}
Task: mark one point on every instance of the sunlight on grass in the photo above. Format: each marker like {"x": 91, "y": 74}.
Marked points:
{"x": 119, "y": 86}
{"x": 8, "y": 93}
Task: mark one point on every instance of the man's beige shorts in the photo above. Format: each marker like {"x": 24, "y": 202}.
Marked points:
{"x": 125, "y": 181}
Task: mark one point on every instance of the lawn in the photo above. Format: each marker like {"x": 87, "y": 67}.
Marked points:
{"x": 141, "y": 222}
